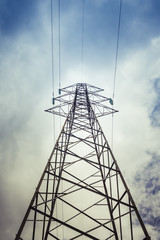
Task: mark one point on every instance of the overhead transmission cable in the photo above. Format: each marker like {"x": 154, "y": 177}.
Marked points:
{"x": 52, "y": 51}
{"x": 59, "y": 90}
{"x": 53, "y": 73}
{"x": 82, "y": 50}
{"x": 117, "y": 48}
{"x": 59, "y": 33}
{"x": 52, "y": 65}
{"x": 82, "y": 76}
{"x": 59, "y": 49}
{"x": 116, "y": 59}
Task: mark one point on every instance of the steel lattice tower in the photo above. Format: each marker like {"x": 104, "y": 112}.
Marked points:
{"x": 82, "y": 193}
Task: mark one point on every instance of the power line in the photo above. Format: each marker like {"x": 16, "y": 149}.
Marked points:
{"x": 116, "y": 61}
{"x": 59, "y": 52}
{"x": 52, "y": 51}
{"x": 52, "y": 67}
{"x": 117, "y": 47}
{"x": 59, "y": 30}
{"x": 82, "y": 50}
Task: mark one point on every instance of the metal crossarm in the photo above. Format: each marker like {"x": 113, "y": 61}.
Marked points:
{"x": 96, "y": 101}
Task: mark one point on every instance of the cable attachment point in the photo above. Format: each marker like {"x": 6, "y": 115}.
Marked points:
{"x": 110, "y": 101}
{"x": 53, "y": 99}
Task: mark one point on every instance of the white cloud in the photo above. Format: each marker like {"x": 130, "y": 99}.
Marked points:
{"x": 134, "y": 135}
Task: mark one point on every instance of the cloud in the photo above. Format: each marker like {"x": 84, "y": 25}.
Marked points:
{"x": 23, "y": 100}
{"x": 147, "y": 183}
{"x": 155, "y": 114}
{"x": 136, "y": 98}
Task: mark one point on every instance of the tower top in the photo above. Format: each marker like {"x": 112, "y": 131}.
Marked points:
{"x": 81, "y": 91}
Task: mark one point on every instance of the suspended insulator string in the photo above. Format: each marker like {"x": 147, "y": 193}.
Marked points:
{"x": 52, "y": 51}
{"x": 59, "y": 29}
{"x": 116, "y": 61}
{"x": 82, "y": 50}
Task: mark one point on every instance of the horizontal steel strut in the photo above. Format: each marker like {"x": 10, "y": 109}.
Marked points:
{"x": 96, "y": 101}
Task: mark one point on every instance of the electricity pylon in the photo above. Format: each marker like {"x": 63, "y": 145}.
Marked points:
{"x": 82, "y": 193}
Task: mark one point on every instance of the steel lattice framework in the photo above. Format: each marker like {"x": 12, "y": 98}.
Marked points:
{"x": 82, "y": 193}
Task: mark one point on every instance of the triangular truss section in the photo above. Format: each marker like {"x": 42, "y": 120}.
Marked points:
{"x": 82, "y": 194}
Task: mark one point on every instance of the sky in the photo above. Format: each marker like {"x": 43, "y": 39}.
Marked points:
{"x": 26, "y": 87}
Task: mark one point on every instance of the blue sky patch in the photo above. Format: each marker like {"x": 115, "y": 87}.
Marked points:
{"x": 15, "y": 15}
